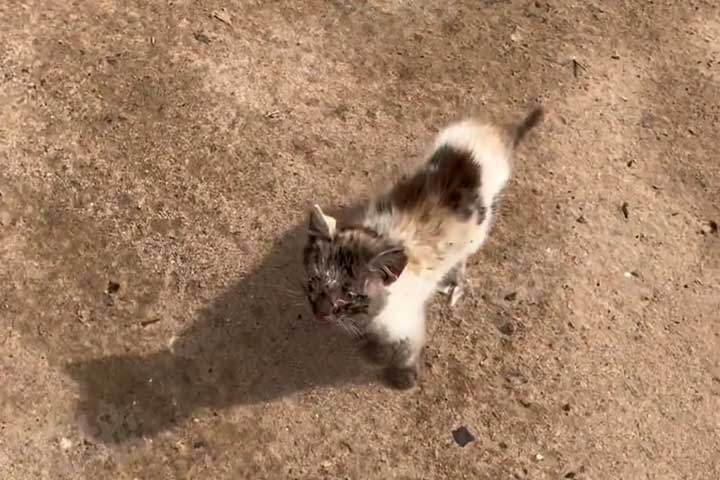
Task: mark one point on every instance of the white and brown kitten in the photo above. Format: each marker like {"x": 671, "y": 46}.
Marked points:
{"x": 374, "y": 278}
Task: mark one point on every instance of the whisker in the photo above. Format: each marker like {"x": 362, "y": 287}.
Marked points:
{"x": 288, "y": 297}
{"x": 356, "y": 333}
{"x": 350, "y": 329}
{"x": 344, "y": 327}
{"x": 293, "y": 290}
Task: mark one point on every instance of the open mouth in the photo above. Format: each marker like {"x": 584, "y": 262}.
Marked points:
{"x": 320, "y": 318}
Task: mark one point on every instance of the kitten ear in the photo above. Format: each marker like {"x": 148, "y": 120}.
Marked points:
{"x": 321, "y": 225}
{"x": 390, "y": 264}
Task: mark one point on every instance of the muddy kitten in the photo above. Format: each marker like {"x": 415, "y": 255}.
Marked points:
{"x": 373, "y": 279}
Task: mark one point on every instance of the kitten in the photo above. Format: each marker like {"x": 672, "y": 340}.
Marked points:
{"x": 373, "y": 279}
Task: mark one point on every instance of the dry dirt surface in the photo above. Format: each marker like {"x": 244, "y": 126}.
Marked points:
{"x": 156, "y": 162}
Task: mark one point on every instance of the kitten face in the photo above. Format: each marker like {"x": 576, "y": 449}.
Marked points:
{"x": 338, "y": 280}
{"x": 348, "y": 271}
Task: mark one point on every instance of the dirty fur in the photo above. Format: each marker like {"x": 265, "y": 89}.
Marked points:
{"x": 373, "y": 279}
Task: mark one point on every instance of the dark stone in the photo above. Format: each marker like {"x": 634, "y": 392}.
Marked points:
{"x": 506, "y": 327}
{"x": 625, "y": 209}
{"x": 113, "y": 287}
{"x": 462, "y": 436}
{"x": 201, "y": 37}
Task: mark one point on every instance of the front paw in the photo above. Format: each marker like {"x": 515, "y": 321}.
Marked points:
{"x": 456, "y": 295}
{"x": 401, "y": 378}
{"x": 455, "y": 292}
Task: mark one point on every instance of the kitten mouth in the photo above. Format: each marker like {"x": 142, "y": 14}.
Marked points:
{"x": 320, "y": 318}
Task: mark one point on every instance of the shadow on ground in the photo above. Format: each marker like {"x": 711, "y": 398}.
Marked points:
{"x": 250, "y": 345}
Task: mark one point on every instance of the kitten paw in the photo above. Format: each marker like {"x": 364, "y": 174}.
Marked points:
{"x": 452, "y": 283}
{"x": 401, "y": 378}
{"x": 455, "y": 292}
{"x": 456, "y": 295}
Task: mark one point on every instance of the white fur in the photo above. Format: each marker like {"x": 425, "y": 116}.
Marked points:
{"x": 403, "y": 317}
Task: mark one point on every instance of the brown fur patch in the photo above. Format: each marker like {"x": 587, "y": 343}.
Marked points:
{"x": 450, "y": 179}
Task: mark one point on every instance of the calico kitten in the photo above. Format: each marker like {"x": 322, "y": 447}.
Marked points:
{"x": 374, "y": 278}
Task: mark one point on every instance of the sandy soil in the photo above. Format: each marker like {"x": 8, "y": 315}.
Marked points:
{"x": 156, "y": 161}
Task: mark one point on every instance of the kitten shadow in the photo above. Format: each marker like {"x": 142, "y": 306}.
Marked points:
{"x": 253, "y": 344}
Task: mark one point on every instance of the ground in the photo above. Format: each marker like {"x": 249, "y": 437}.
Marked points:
{"x": 157, "y": 161}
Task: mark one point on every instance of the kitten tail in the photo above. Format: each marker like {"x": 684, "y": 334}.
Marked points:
{"x": 519, "y": 131}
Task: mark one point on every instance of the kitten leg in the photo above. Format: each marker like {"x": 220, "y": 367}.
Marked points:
{"x": 404, "y": 368}
{"x": 453, "y": 282}
{"x": 377, "y": 352}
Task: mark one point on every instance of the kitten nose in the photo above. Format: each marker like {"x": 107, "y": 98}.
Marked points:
{"x": 322, "y": 307}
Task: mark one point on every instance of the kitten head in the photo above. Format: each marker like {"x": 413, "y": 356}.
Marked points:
{"x": 348, "y": 271}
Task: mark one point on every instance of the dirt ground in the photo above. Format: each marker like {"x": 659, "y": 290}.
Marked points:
{"x": 156, "y": 162}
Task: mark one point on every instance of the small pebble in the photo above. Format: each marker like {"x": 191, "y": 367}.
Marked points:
{"x": 201, "y": 37}
{"x": 223, "y": 16}
{"x": 66, "y": 444}
{"x": 506, "y": 327}
{"x": 515, "y": 377}
{"x": 581, "y": 219}
{"x": 710, "y": 226}
{"x": 625, "y": 209}
{"x": 539, "y": 457}
{"x": 462, "y": 436}
{"x": 525, "y": 403}
{"x": 510, "y": 296}
{"x": 113, "y": 287}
